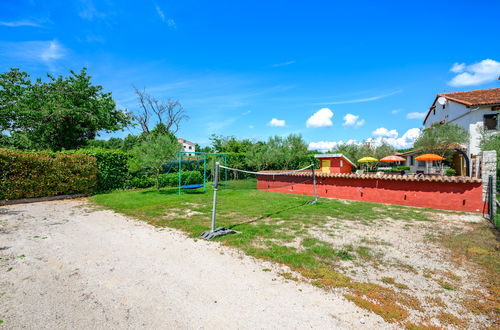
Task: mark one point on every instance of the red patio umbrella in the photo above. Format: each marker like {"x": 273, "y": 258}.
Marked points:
{"x": 429, "y": 157}
{"x": 392, "y": 159}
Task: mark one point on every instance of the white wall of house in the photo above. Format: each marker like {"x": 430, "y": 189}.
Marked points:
{"x": 187, "y": 146}
{"x": 414, "y": 165}
{"x": 471, "y": 119}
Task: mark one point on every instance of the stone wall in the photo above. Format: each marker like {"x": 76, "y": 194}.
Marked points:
{"x": 489, "y": 168}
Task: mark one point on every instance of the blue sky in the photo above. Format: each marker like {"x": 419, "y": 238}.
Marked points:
{"x": 331, "y": 71}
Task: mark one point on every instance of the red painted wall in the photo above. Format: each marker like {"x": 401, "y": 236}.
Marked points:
{"x": 439, "y": 195}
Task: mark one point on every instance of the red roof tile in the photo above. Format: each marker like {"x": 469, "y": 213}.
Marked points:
{"x": 476, "y": 97}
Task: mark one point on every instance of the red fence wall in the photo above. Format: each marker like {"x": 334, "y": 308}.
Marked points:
{"x": 458, "y": 196}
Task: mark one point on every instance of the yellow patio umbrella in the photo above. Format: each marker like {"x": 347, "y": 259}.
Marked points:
{"x": 367, "y": 160}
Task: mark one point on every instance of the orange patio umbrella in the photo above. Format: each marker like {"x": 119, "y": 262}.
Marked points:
{"x": 392, "y": 159}
{"x": 429, "y": 157}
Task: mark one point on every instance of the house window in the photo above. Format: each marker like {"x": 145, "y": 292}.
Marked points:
{"x": 412, "y": 160}
{"x": 491, "y": 121}
{"x": 190, "y": 147}
{"x": 341, "y": 164}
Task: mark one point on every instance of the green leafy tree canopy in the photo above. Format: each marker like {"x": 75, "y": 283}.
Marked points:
{"x": 60, "y": 113}
{"x": 441, "y": 139}
{"x": 153, "y": 153}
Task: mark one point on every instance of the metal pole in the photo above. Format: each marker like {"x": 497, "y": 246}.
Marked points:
{"x": 314, "y": 185}
{"x": 225, "y": 171}
{"x": 204, "y": 172}
{"x": 179, "y": 172}
{"x": 216, "y": 187}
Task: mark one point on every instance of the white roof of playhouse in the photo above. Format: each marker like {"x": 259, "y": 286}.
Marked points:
{"x": 334, "y": 156}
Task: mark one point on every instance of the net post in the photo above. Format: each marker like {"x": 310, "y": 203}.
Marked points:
{"x": 225, "y": 170}
{"x": 179, "y": 172}
{"x": 314, "y": 184}
{"x": 216, "y": 187}
{"x": 204, "y": 172}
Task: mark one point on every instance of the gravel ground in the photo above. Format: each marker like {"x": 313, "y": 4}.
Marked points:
{"x": 66, "y": 265}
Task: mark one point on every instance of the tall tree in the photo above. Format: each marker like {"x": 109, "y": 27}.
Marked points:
{"x": 165, "y": 116}
{"x": 61, "y": 113}
{"x": 279, "y": 153}
{"x": 153, "y": 153}
{"x": 441, "y": 139}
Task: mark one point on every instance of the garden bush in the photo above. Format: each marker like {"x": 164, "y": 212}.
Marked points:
{"x": 450, "y": 172}
{"x": 166, "y": 180}
{"x": 42, "y": 174}
{"x": 140, "y": 181}
{"x": 112, "y": 166}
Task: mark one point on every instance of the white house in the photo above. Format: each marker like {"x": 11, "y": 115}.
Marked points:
{"x": 475, "y": 111}
{"x": 187, "y": 146}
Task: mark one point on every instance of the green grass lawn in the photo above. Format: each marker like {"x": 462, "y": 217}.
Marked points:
{"x": 277, "y": 227}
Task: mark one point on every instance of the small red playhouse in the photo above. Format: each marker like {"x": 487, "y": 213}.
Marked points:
{"x": 335, "y": 163}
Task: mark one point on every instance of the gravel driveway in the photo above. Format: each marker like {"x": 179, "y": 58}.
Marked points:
{"x": 67, "y": 265}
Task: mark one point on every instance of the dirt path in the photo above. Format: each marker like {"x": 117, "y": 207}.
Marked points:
{"x": 64, "y": 265}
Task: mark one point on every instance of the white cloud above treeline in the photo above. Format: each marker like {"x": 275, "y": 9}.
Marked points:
{"x": 380, "y": 135}
{"x": 478, "y": 73}
{"x": 277, "y": 122}
{"x": 321, "y": 118}
{"x": 416, "y": 115}
{"x": 353, "y": 121}
{"x": 384, "y": 132}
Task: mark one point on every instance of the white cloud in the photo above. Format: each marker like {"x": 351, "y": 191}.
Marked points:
{"x": 384, "y": 132}
{"x": 353, "y": 121}
{"x": 251, "y": 126}
{"x": 276, "y": 122}
{"x": 160, "y": 13}
{"x": 475, "y": 74}
{"x": 395, "y": 111}
{"x": 53, "y": 51}
{"x": 325, "y": 146}
{"x": 321, "y": 118}
{"x": 88, "y": 10}
{"x": 416, "y": 115}
{"x": 458, "y": 67}
{"x": 366, "y": 99}
{"x": 20, "y": 23}
{"x": 169, "y": 21}
{"x": 403, "y": 142}
{"x": 283, "y": 64}
{"x": 34, "y": 51}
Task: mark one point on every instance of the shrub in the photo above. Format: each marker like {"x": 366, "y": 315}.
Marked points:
{"x": 188, "y": 177}
{"x": 166, "y": 180}
{"x": 42, "y": 174}
{"x": 450, "y": 172}
{"x": 112, "y": 166}
{"x": 140, "y": 181}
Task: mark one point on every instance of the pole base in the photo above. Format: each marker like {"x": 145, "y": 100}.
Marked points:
{"x": 221, "y": 231}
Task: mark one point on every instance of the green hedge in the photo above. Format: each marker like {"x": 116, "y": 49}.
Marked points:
{"x": 41, "y": 174}
{"x": 166, "y": 180}
{"x": 112, "y": 166}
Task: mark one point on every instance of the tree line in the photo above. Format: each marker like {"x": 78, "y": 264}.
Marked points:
{"x": 61, "y": 112}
